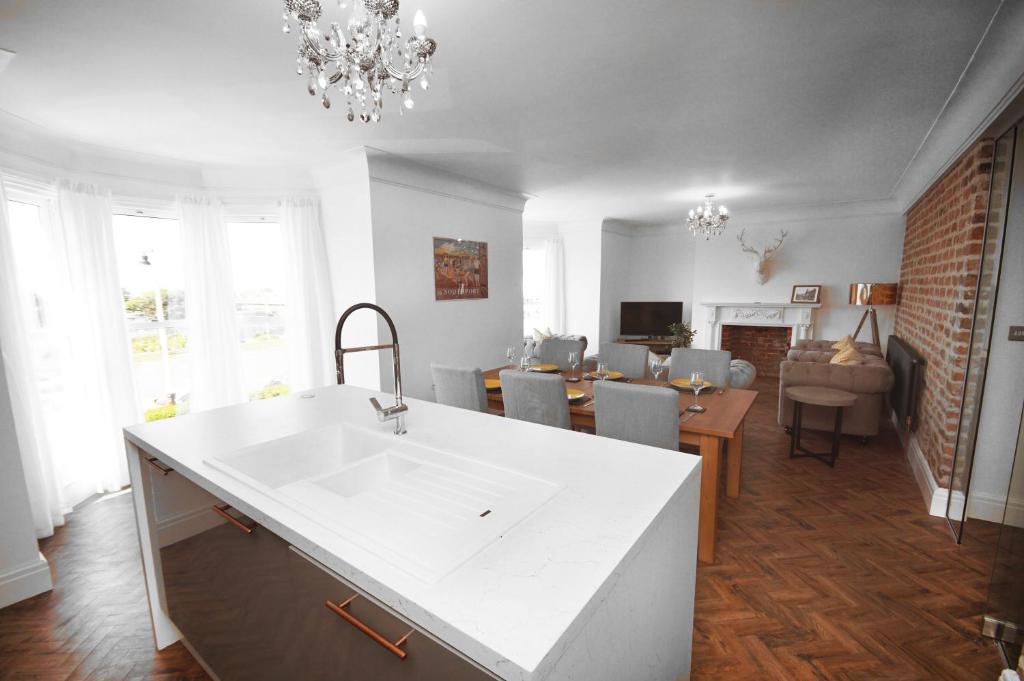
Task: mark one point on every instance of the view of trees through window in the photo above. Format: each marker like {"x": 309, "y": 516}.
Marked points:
{"x": 258, "y": 269}
{"x": 151, "y": 273}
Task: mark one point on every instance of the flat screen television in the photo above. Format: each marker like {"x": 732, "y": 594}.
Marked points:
{"x": 648, "y": 319}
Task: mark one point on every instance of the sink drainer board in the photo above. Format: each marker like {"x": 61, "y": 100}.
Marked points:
{"x": 422, "y": 510}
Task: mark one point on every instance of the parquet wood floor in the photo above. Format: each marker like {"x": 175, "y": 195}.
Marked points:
{"x": 94, "y": 625}
{"x": 838, "y": 573}
{"x": 821, "y": 574}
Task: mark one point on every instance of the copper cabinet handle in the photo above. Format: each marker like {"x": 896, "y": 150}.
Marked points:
{"x": 222, "y": 511}
{"x": 155, "y": 463}
{"x": 393, "y": 648}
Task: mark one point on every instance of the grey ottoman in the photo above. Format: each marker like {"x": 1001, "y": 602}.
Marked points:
{"x": 741, "y": 373}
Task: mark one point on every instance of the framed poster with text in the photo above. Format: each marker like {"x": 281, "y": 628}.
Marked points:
{"x": 460, "y": 269}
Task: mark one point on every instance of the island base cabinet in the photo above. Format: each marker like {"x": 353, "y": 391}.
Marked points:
{"x": 326, "y": 646}
{"x": 225, "y": 591}
{"x": 255, "y": 608}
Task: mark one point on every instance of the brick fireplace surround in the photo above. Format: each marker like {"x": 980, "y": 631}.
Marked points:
{"x": 762, "y": 346}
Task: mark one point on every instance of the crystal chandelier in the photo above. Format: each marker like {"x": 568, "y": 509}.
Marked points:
{"x": 705, "y": 220}
{"x": 362, "y": 59}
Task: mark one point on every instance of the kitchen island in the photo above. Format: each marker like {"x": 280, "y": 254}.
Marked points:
{"x": 299, "y": 538}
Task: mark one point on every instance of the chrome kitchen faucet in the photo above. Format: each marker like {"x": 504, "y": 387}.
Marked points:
{"x": 396, "y": 412}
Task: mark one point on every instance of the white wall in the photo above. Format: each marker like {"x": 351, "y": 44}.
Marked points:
{"x": 348, "y": 234}
{"x": 411, "y": 205}
{"x": 23, "y": 570}
{"x": 582, "y": 244}
{"x": 661, "y": 266}
{"x": 833, "y": 252}
{"x": 616, "y": 249}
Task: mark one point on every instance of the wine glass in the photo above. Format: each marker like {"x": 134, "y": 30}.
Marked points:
{"x": 510, "y": 355}
{"x": 574, "y": 365}
{"x": 657, "y": 367}
{"x": 602, "y": 370}
{"x": 697, "y": 383}
{"x": 524, "y": 362}
{"x": 530, "y": 352}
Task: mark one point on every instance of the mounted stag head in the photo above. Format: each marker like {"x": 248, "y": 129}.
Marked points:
{"x": 763, "y": 256}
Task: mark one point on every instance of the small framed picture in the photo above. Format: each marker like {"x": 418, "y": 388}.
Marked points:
{"x": 806, "y": 293}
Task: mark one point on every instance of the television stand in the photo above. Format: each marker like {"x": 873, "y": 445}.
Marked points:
{"x": 661, "y": 345}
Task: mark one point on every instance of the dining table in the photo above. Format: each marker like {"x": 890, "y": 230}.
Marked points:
{"x": 716, "y": 432}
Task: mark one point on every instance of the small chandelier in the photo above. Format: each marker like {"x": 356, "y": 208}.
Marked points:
{"x": 363, "y": 59}
{"x": 705, "y": 220}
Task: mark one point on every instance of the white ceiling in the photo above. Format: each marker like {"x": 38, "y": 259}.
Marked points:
{"x": 598, "y": 109}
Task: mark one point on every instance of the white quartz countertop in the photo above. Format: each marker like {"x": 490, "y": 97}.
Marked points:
{"x": 514, "y": 606}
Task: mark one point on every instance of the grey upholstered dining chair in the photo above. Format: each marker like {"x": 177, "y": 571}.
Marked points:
{"x": 537, "y": 398}
{"x": 645, "y": 414}
{"x": 630, "y": 359}
{"x": 714, "y": 364}
{"x": 459, "y": 387}
{"x": 556, "y": 351}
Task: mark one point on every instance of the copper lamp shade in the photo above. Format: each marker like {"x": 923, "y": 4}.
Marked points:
{"x": 871, "y": 295}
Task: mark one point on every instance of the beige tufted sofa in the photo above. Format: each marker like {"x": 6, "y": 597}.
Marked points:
{"x": 808, "y": 364}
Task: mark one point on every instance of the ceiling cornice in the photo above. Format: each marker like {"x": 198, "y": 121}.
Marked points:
{"x": 399, "y": 171}
{"x": 991, "y": 80}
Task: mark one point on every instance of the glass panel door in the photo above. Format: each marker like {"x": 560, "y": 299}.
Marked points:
{"x": 1004, "y": 612}
{"x": 981, "y": 335}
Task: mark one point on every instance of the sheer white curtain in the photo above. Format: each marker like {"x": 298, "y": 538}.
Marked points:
{"x": 214, "y": 346}
{"x": 44, "y": 491}
{"x": 310, "y": 326}
{"x": 554, "y": 285}
{"x": 83, "y": 243}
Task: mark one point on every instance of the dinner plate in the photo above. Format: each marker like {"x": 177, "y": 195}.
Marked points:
{"x": 492, "y": 383}
{"x": 684, "y": 384}
{"x": 612, "y": 376}
{"x": 574, "y": 394}
{"x": 545, "y": 368}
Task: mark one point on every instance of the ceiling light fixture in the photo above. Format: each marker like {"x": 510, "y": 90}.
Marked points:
{"x": 363, "y": 59}
{"x": 706, "y": 220}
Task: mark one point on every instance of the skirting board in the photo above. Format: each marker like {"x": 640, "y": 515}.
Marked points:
{"x": 934, "y": 496}
{"x": 25, "y": 582}
{"x": 980, "y": 506}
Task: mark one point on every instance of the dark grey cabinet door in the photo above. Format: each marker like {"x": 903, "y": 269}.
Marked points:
{"x": 225, "y": 590}
{"x": 327, "y": 647}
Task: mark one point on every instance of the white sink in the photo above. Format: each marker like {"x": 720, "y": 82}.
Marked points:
{"x": 296, "y": 457}
{"x": 421, "y": 509}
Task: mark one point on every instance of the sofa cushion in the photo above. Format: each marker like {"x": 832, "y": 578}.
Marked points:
{"x": 843, "y": 343}
{"x": 847, "y": 356}
{"x": 821, "y": 351}
{"x": 873, "y": 376}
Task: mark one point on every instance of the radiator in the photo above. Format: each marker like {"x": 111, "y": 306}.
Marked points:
{"x": 907, "y": 366}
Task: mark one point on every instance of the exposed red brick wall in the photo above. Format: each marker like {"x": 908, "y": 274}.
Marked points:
{"x": 938, "y": 277}
{"x": 762, "y": 346}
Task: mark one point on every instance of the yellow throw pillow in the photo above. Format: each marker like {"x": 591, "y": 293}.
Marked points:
{"x": 847, "y": 356}
{"x": 843, "y": 343}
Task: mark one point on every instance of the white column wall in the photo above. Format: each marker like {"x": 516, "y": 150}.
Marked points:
{"x": 23, "y": 570}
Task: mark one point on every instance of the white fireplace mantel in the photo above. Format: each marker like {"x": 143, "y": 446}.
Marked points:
{"x": 797, "y": 316}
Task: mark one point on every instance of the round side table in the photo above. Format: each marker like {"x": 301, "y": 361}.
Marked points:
{"x": 819, "y": 397}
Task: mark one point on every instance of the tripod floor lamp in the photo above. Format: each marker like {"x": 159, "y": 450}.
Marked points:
{"x": 872, "y": 295}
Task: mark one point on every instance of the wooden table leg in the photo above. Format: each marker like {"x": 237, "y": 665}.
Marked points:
{"x": 710, "y": 454}
{"x": 734, "y": 462}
